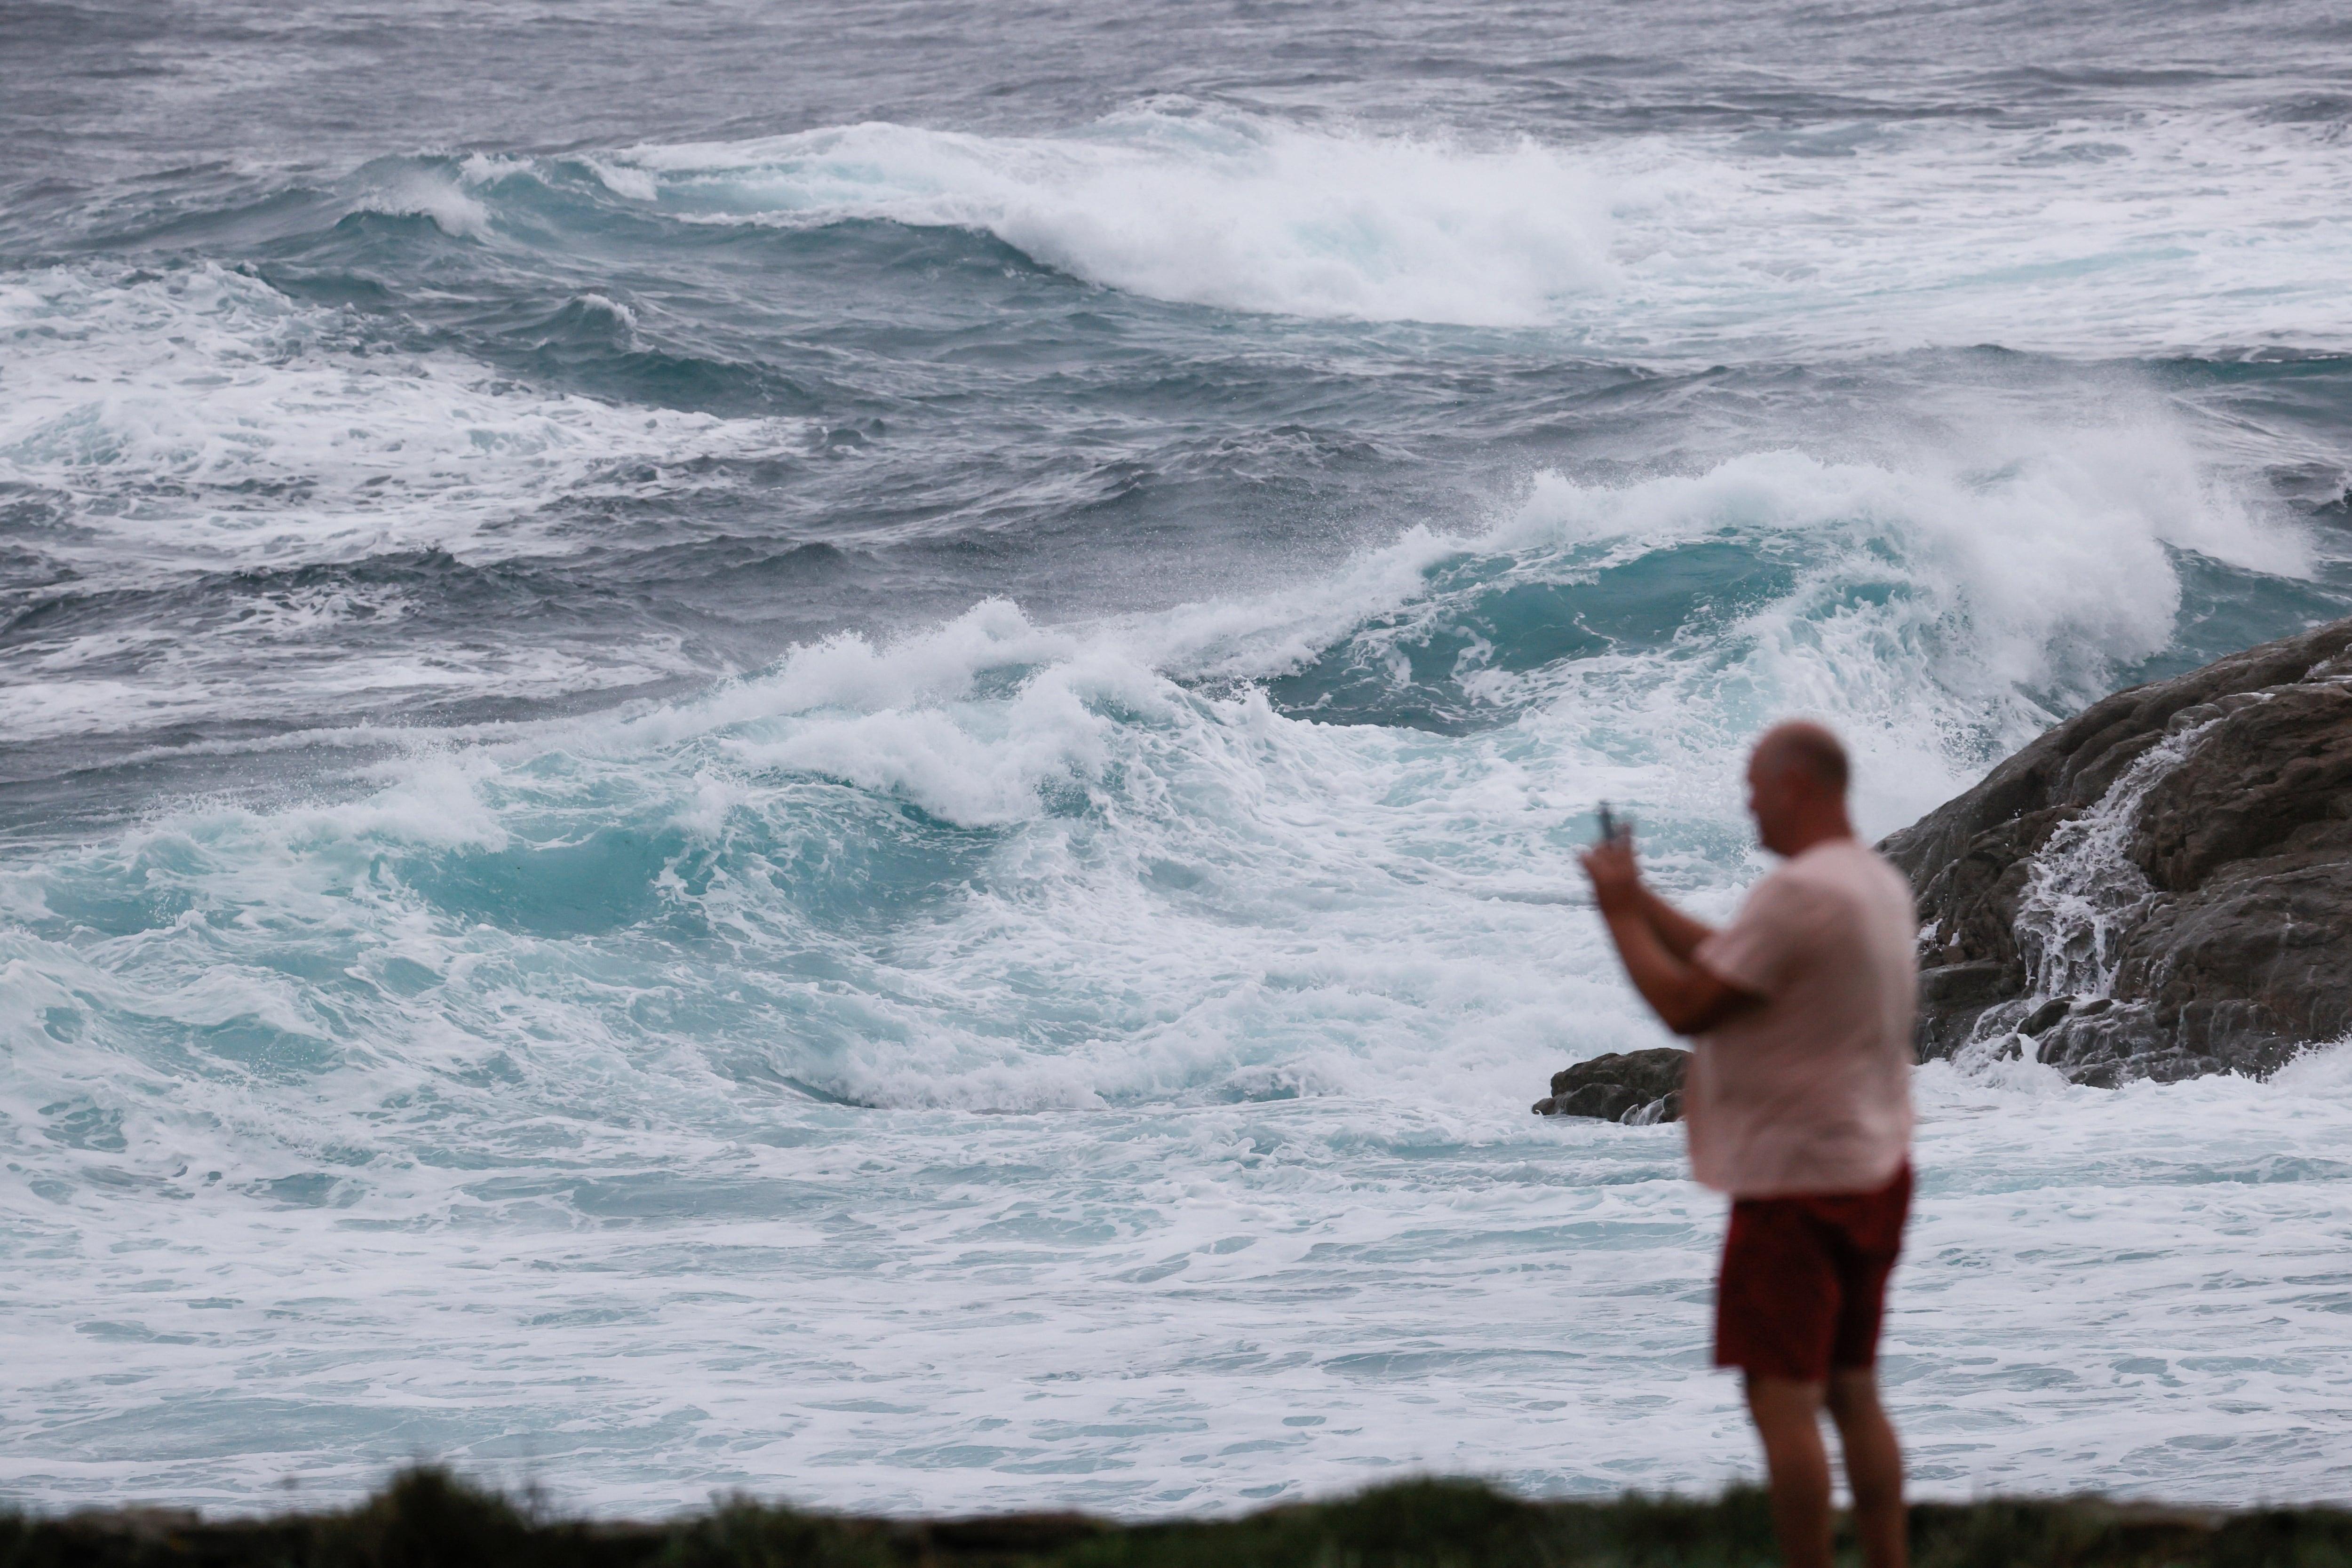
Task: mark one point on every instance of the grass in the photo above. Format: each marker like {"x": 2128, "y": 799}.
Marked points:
{"x": 427, "y": 1517}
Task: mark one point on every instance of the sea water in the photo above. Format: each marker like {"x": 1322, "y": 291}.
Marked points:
{"x": 838, "y": 751}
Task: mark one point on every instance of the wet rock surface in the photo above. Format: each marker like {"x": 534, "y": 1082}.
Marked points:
{"x": 2159, "y": 888}
{"x": 1638, "y": 1088}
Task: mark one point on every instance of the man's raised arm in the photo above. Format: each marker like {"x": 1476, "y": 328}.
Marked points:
{"x": 1656, "y": 942}
{"x": 1676, "y": 931}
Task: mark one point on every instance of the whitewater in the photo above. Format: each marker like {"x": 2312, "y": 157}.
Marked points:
{"x": 864, "y": 784}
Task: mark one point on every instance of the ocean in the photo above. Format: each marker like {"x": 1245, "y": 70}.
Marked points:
{"x": 837, "y": 751}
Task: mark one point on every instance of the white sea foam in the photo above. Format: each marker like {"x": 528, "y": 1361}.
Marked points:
{"x": 1267, "y": 1214}
{"x": 201, "y": 421}
{"x": 267, "y": 430}
{"x": 2083, "y": 890}
{"x": 417, "y": 193}
{"x": 2163, "y": 233}
{"x": 157, "y": 676}
{"x": 1235, "y": 213}
{"x": 1182, "y": 1308}
{"x": 1936, "y": 601}
{"x": 1191, "y": 1046}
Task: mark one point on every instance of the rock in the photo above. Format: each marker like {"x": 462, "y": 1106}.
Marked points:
{"x": 1665, "y": 1108}
{"x": 1649, "y": 1073}
{"x": 1606, "y": 1100}
{"x": 1641, "y": 1088}
{"x": 2038, "y": 1022}
{"x": 2158, "y": 888}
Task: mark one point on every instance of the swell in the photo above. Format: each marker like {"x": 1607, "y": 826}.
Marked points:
{"x": 1680, "y": 246}
{"x": 1001, "y": 863}
{"x": 357, "y": 521}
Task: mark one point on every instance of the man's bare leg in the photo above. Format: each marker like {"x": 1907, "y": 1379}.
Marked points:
{"x": 1789, "y": 1419}
{"x": 1873, "y": 1466}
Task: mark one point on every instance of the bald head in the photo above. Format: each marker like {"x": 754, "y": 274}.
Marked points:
{"x": 1796, "y": 787}
{"x": 1806, "y": 748}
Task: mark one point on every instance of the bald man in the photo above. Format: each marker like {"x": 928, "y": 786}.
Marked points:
{"x": 1799, "y": 1105}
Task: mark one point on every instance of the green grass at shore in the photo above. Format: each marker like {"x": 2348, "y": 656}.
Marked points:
{"x": 428, "y": 1518}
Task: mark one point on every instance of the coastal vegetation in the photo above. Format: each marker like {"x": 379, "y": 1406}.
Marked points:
{"x": 429, "y": 1518}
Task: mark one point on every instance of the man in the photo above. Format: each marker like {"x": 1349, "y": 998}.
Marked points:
{"x": 1799, "y": 1105}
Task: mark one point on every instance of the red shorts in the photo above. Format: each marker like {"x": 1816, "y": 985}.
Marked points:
{"x": 1804, "y": 1280}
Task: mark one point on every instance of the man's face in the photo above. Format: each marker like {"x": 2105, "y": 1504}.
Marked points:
{"x": 1771, "y": 791}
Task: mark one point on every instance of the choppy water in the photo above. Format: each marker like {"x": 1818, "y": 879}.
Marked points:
{"x": 831, "y": 753}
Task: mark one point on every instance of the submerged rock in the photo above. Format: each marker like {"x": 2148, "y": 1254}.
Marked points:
{"x": 1638, "y": 1088}
{"x": 2158, "y": 888}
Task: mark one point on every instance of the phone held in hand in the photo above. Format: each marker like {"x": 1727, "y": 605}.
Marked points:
{"x": 1608, "y": 824}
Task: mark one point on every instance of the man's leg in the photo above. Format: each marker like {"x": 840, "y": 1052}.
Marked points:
{"x": 1874, "y": 1465}
{"x": 1789, "y": 1419}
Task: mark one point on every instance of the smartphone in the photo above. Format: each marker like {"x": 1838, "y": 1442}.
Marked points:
{"x": 1608, "y": 824}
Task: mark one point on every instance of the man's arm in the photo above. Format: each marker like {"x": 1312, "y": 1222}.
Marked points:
{"x": 1656, "y": 942}
{"x": 1677, "y": 932}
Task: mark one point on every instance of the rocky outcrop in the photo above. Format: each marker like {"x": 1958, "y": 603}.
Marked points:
{"x": 2159, "y": 887}
{"x": 1640, "y": 1088}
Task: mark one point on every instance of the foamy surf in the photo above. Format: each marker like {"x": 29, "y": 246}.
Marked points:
{"x": 213, "y": 421}
{"x": 2183, "y": 232}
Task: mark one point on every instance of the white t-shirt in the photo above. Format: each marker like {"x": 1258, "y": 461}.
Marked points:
{"x": 1810, "y": 1091}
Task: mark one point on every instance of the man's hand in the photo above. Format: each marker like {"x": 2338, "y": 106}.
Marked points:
{"x": 1616, "y": 880}
{"x": 1657, "y": 943}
